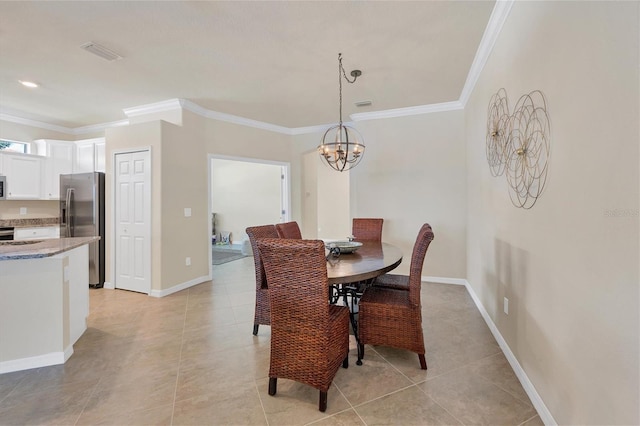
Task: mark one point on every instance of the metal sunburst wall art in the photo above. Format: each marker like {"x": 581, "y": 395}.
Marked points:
{"x": 518, "y": 145}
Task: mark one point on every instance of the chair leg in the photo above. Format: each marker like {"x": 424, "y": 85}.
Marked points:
{"x": 360, "y": 353}
{"x": 345, "y": 362}
{"x": 423, "y": 362}
{"x": 322, "y": 406}
{"x": 273, "y": 385}
{"x": 255, "y": 329}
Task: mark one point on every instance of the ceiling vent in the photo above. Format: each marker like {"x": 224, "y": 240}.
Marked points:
{"x": 363, "y": 103}
{"x": 101, "y": 51}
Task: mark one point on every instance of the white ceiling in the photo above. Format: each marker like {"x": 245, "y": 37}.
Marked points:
{"x": 274, "y": 62}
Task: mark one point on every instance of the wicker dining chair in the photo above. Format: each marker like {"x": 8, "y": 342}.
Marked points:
{"x": 262, "y": 311}
{"x": 390, "y": 317}
{"x": 309, "y": 337}
{"x": 289, "y": 230}
{"x": 367, "y": 229}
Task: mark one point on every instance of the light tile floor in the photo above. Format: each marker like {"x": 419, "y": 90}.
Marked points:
{"x": 190, "y": 358}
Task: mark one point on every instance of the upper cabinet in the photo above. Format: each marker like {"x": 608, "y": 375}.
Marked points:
{"x": 59, "y": 160}
{"x": 100, "y": 155}
{"x": 37, "y": 177}
{"x": 90, "y": 155}
{"x": 24, "y": 176}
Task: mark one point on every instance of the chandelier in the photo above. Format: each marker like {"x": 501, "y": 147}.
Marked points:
{"x": 342, "y": 146}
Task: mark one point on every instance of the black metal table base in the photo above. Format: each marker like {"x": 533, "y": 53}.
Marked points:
{"x": 350, "y": 295}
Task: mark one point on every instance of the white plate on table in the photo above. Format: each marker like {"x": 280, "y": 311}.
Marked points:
{"x": 344, "y": 246}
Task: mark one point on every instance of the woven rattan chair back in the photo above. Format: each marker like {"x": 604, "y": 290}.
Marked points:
{"x": 289, "y": 230}
{"x": 393, "y": 317}
{"x": 309, "y": 337}
{"x": 262, "y": 309}
{"x": 425, "y": 236}
{"x": 367, "y": 229}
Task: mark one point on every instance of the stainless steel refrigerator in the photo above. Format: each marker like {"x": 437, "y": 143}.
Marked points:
{"x": 82, "y": 215}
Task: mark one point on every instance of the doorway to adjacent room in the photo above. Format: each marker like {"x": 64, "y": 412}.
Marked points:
{"x": 244, "y": 192}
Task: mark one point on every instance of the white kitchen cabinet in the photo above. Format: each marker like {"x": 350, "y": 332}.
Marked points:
{"x": 90, "y": 155}
{"x": 36, "y": 233}
{"x": 100, "y": 155}
{"x": 24, "y": 175}
{"x": 59, "y": 160}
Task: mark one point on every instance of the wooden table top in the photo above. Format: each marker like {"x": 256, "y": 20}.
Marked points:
{"x": 369, "y": 261}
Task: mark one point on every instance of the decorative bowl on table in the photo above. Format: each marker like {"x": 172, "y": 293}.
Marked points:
{"x": 344, "y": 246}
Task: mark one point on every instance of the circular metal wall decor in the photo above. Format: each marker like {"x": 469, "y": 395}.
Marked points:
{"x": 518, "y": 145}
{"x": 497, "y": 125}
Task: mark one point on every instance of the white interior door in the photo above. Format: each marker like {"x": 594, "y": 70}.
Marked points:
{"x": 133, "y": 221}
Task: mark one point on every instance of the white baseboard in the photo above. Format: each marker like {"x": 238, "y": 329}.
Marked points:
{"x": 179, "y": 287}
{"x": 536, "y": 400}
{"x": 444, "y": 280}
{"x": 109, "y": 285}
{"x": 52, "y": 358}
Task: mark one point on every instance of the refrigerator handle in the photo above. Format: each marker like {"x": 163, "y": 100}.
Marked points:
{"x": 68, "y": 232}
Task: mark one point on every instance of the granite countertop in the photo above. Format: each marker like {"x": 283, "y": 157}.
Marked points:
{"x": 30, "y": 223}
{"x": 32, "y": 249}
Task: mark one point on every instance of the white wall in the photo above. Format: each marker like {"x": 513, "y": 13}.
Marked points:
{"x": 569, "y": 266}
{"x": 244, "y": 194}
{"x": 326, "y": 210}
{"x": 414, "y": 172}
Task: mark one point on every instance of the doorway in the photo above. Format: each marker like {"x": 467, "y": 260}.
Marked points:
{"x": 245, "y": 192}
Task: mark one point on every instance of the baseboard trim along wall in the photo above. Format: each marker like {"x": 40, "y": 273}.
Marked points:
{"x": 443, "y": 280}
{"x": 536, "y": 400}
{"x": 179, "y": 287}
{"x": 168, "y": 291}
{"x": 53, "y": 358}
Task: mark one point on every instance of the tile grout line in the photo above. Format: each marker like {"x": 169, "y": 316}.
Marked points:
{"x": 530, "y": 418}
{"x": 184, "y": 325}
{"x": 264, "y": 412}
{"x": 497, "y": 385}
{"x": 13, "y": 389}
{"x": 88, "y": 399}
{"x": 438, "y": 404}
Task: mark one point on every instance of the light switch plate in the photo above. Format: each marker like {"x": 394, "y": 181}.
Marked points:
{"x": 187, "y": 212}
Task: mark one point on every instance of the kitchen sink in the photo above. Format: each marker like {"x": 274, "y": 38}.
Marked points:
{"x": 19, "y": 242}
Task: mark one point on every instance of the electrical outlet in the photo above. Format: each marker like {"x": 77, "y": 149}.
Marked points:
{"x": 506, "y": 306}
{"x": 23, "y": 210}
{"x": 187, "y": 212}
{"x": 187, "y": 261}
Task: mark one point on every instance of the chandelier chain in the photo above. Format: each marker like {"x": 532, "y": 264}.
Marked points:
{"x": 341, "y": 70}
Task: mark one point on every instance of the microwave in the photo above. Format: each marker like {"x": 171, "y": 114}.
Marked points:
{"x": 3, "y": 187}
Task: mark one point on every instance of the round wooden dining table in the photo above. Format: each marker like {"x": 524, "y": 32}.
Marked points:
{"x": 369, "y": 261}
{"x": 350, "y": 273}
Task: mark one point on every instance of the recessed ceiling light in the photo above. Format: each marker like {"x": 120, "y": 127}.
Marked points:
{"x": 30, "y": 84}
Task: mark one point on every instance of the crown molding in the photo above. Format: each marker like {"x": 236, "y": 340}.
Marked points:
{"x": 99, "y": 127}
{"x": 168, "y": 105}
{"x": 492, "y": 31}
{"x": 35, "y": 123}
{"x": 229, "y": 118}
{"x": 494, "y": 26}
{"x": 61, "y": 129}
{"x": 403, "y": 112}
